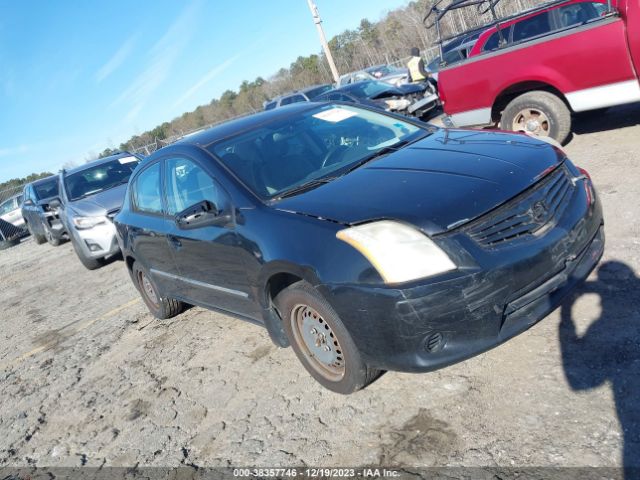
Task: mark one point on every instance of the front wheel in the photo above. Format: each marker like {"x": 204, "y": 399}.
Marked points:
{"x": 538, "y": 113}
{"x": 51, "y": 239}
{"x": 321, "y": 341}
{"x": 39, "y": 239}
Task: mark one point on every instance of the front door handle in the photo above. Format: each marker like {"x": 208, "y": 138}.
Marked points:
{"x": 175, "y": 242}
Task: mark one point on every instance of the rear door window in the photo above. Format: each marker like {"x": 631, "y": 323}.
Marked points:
{"x": 532, "y": 27}
{"x": 146, "y": 191}
{"x": 576, "y": 14}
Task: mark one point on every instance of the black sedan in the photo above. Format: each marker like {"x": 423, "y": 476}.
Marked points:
{"x": 365, "y": 240}
{"x": 412, "y": 98}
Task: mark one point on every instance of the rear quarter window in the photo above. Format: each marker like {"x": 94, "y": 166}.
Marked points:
{"x": 532, "y": 27}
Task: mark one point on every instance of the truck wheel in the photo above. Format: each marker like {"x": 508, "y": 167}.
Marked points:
{"x": 160, "y": 307}
{"x": 538, "y": 113}
{"x": 321, "y": 341}
{"x": 39, "y": 239}
{"x": 88, "y": 262}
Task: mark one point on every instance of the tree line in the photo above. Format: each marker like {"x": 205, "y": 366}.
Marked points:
{"x": 371, "y": 43}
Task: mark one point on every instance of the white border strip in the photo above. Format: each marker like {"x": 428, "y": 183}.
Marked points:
{"x": 604, "y": 96}
{"x": 470, "y": 118}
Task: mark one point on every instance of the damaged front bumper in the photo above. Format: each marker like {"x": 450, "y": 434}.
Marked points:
{"x": 444, "y": 320}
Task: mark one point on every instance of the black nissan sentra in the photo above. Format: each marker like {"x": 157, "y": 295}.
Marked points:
{"x": 366, "y": 241}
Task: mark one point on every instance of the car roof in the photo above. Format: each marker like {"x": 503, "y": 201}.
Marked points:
{"x": 232, "y": 127}
{"x": 99, "y": 161}
{"x": 40, "y": 181}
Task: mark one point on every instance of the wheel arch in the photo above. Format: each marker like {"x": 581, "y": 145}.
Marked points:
{"x": 515, "y": 90}
{"x": 274, "y": 278}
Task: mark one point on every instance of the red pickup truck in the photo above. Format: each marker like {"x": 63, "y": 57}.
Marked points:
{"x": 530, "y": 72}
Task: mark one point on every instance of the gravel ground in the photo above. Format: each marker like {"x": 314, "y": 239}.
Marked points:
{"x": 88, "y": 377}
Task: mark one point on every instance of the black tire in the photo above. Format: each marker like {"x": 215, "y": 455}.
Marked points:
{"x": 88, "y": 262}
{"x": 355, "y": 374}
{"x": 160, "y": 307}
{"x": 540, "y": 104}
{"x": 53, "y": 241}
{"x": 39, "y": 239}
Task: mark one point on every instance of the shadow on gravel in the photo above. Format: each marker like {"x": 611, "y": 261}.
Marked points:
{"x": 607, "y": 119}
{"x": 609, "y": 351}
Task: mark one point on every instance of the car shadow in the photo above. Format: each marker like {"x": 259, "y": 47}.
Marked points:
{"x": 608, "y": 119}
{"x": 609, "y": 351}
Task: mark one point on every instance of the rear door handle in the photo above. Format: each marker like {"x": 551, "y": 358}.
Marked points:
{"x": 174, "y": 241}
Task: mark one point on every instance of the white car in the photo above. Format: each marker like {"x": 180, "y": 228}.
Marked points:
{"x": 10, "y": 211}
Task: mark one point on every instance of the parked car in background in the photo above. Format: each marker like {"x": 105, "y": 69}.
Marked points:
{"x": 384, "y": 73}
{"x": 90, "y": 196}
{"x": 42, "y": 221}
{"x": 454, "y": 51}
{"x": 10, "y": 235}
{"x": 304, "y": 95}
{"x": 10, "y": 210}
{"x": 411, "y": 98}
{"x": 531, "y": 72}
{"x": 366, "y": 241}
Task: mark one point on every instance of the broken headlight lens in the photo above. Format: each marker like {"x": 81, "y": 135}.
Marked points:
{"x": 398, "y": 252}
{"x": 398, "y": 104}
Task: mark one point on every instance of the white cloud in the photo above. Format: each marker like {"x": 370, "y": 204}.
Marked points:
{"x": 5, "y": 152}
{"x": 163, "y": 56}
{"x": 214, "y": 72}
{"x": 116, "y": 60}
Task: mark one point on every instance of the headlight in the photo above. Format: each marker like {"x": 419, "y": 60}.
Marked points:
{"x": 399, "y": 253}
{"x": 399, "y": 104}
{"x": 88, "y": 222}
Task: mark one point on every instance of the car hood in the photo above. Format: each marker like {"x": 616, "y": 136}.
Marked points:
{"x": 437, "y": 183}
{"x": 400, "y": 90}
{"x": 102, "y": 202}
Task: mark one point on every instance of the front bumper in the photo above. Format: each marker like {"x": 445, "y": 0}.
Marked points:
{"x": 444, "y": 320}
{"x": 99, "y": 241}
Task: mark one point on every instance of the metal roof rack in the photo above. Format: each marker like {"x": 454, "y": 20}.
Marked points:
{"x": 437, "y": 13}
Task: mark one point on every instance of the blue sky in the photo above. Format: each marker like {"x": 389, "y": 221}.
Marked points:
{"x": 77, "y": 77}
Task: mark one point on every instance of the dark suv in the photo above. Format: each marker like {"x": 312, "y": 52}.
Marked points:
{"x": 43, "y": 221}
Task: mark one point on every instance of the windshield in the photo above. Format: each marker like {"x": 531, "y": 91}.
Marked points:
{"x": 314, "y": 92}
{"x": 320, "y": 143}
{"x": 383, "y": 70}
{"x": 99, "y": 177}
{"x": 46, "y": 189}
{"x": 369, "y": 89}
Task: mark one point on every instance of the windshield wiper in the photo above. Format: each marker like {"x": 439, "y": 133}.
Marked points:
{"x": 380, "y": 153}
{"x": 304, "y": 187}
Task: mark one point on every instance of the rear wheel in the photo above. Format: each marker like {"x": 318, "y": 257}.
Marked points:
{"x": 538, "y": 113}
{"x": 161, "y": 307}
{"x": 321, "y": 341}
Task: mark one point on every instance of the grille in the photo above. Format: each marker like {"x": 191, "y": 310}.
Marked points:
{"x": 530, "y": 213}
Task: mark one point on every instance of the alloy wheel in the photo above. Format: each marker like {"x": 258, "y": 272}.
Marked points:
{"x": 532, "y": 121}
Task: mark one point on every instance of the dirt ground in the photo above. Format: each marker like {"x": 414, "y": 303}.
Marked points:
{"x": 88, "y": 377}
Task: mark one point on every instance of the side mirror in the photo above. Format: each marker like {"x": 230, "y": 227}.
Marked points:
{"x": 28, "y": 203}
{"x": 55, "y": 203}
{"x": 202, "y": 214}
